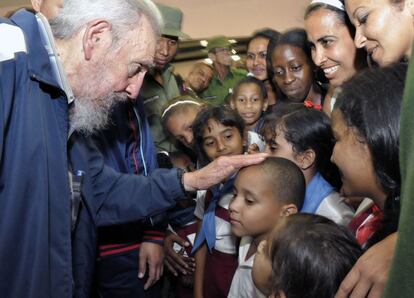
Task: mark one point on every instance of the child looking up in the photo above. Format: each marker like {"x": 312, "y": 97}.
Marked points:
{"x": 263, "y": 194}
{"x": 249, "y": 99}
{"x": 217, "y": 131}
{"x": 310, "y": 255}
{"x": 304, "y": 136}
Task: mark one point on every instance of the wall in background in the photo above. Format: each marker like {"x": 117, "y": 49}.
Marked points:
{"x": 205, "y": 18}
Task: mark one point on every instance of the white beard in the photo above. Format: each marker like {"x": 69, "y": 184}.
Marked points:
{"x": 88, "y": 116}
{"x": 91, "y": 112}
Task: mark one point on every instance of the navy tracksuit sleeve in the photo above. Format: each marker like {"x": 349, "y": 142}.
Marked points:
{"x": 115, "y": 198}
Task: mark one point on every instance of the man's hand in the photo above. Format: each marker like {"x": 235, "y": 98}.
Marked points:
{"x": 218, "y": 170}
{"x": 177, "y": 261}
{"x": 370, "y": 273}
{"x": 153, "y": 255}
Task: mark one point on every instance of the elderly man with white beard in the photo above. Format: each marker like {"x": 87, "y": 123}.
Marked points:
{"x": 57, "y": 86}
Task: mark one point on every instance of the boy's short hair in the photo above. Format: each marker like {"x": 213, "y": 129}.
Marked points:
{"x": 311, "y": 255}
{"x": 288, "y": 181}
{"x": 250, "y": 80}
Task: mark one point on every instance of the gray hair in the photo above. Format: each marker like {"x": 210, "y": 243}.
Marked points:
{"x": 122, "y": 14}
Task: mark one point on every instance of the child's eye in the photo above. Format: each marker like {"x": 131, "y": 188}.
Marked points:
{"x": 241, "y": 99}
{"x": 208, "y": 143}
{"x": 249, "y": 201}
{"x": 228, "y": 136}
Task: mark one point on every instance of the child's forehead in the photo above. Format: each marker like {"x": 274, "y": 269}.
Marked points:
{"x": 249, "y": 86}
{"x": 213, "y": 125}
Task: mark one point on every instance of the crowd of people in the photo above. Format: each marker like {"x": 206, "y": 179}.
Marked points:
{"x": 287, "y": 177}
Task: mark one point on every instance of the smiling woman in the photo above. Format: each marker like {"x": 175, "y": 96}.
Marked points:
{"x": 330, "y": 34}
{"x": 384, "y": 28}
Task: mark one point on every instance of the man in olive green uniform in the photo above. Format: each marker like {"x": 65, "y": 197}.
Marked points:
{"x": 400, "y": 283}
{"x": 225, "y": 77}
{"x": 160, "y": 85}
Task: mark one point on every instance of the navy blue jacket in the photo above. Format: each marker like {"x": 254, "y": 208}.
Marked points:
{"x": 35, "y": 224}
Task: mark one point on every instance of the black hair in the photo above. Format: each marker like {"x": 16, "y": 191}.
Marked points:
{"x": 296, "y": 37}
{"x": 223, "y": 115}
{"x": 288, "y": 182}
{"x": 179, "y": 103}
{"x": 305, "y": 129}
{"x": 267, "y": 33}
{"x": 370, "y": 102}
{"x": 250, "y": 80}
{"x": 311, "y": 255}
{"x": 341, "y": 14}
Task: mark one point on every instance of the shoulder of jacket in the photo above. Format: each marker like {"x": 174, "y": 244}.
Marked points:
{"x": 13, "y": 41}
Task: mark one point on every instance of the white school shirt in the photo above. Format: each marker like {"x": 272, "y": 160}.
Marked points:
{"x": 242, "y": 285}
{"x": 225, "y": 240}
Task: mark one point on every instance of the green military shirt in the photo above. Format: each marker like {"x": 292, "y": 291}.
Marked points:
{"x": 217, "y": 90}
{"x": 155, "y": 96}
{"x": 400, "y": 283}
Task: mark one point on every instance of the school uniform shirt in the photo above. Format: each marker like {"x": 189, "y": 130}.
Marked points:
{"x": 225, "y": 240}
{"x": 242, "y": 285}
{"x": 322, "y": 199}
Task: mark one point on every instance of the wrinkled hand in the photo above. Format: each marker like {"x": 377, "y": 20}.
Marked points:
{"x": 370, "y": 273}
{"x": 177, "y": 262}
{"x": 218, "y": 170}
{"x": 151, "y": 254}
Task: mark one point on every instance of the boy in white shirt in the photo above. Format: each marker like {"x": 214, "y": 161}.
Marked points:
{"x": 263, "y": 194}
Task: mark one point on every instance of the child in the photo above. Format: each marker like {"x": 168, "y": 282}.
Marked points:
{"x": 177, "y": 118}
{"x": 310, "y": 255}
{"x": 249, "y": 99}
{"x": 263, "y": 194}
{"x": 217, "y": 131}
{"x": 304, "y": 136}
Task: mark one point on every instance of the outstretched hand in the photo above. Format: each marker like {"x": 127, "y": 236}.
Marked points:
{"x": 219, "y": 169}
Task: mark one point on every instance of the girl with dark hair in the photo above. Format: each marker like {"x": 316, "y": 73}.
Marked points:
{"x": 365, "y": 123}
{"x": 309, "y": 256}
{"x": 330, "y": 34}
{"x": 256, "y": 62}
{"x": 293, "y": 71}
{"x": 304, "y": 136}
{"x": 217, "y": 131}
{"x": 177, "y": 118}
{"x": 250, "y": 100}
{"x": 384, "y": 28}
